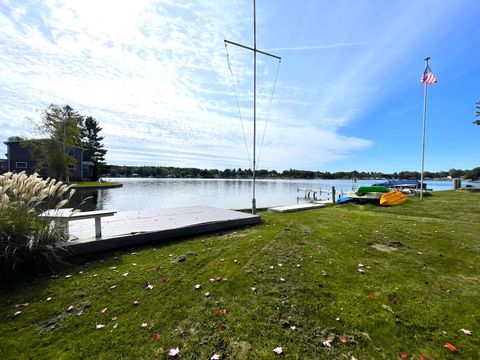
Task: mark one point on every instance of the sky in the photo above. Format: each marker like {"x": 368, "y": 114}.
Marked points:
{"x": 345, "y": 96}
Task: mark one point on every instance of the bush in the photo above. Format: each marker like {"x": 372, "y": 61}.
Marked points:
{"x": 27, "y": 240}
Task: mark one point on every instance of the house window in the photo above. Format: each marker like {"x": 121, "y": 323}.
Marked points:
{"x": 21, "y": 165}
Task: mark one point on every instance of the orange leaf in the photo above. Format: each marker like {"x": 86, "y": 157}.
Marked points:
{"x": 156, "y": 336}
{"x": 403, "y": 355}
{"x": 343, "y": 340}
{"x": 372, "y": 296}
{"x": 450, "y": 347}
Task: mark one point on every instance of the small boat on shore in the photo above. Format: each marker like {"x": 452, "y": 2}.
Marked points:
{"x": 393, "y": 198}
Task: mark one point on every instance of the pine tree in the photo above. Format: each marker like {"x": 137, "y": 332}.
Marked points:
{"x": 92, "y": 143}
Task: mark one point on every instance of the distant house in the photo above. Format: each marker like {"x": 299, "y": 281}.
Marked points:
{"x": 19, "y": 159}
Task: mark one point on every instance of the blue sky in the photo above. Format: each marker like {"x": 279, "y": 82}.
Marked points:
{"x": 155, "y": 76}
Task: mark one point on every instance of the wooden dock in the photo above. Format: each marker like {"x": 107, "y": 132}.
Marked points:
{"x": 299, "y": 207}
{"x": 132, "y": 228}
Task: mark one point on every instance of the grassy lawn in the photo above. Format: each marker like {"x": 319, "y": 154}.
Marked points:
{"x": 420, "y": 286}
{"x": 96, "y": 184}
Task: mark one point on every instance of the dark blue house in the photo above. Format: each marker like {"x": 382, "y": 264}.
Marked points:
{"x": 19, "y": 159}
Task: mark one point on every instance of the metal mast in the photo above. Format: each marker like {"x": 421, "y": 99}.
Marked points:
{"x": 255, "y": 51}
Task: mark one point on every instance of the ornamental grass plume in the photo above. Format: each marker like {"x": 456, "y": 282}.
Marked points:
{"x": 25, "y": 238}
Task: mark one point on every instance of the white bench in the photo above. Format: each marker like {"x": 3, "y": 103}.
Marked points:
{"x": 63, "y": 216}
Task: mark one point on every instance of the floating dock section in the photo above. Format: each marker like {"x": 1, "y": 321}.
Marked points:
{"x": 298, "y": 207}
{"x": 133, "y": 228}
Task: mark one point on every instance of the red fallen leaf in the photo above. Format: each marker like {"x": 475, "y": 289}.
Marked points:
{"x": 343, "y": 340}
{"x": 422, "y": 357}
{"x": 215, "y": 312}
{"x": 450, "y": 347}
{"x": 80, "y": 313}
{"x": 372, "y": 296}
{"x": 223, "y": 326}
{"x": 403, "y": 355}
{"x": 156, "y": 336}
{"x": 224, "y": 311}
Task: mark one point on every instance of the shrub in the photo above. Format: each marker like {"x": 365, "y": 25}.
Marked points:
{"x": 25, "y": 238}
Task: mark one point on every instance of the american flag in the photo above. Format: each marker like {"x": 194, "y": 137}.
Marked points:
{"x": 428, "y": 77}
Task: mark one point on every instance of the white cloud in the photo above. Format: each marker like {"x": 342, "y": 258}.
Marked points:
{"x": 154, "y": 74}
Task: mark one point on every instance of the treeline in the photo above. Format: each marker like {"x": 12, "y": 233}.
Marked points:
{"x": 174, "y": 172}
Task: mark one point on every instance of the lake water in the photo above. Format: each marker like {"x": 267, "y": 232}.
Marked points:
{"x": 142, "y": 194}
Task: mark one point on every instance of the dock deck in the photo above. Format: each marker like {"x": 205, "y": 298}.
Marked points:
{"x": 132, "y": 228}
{"x": 298, "y": 207}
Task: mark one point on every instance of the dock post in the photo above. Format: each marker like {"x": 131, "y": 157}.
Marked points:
{"x": 333, "y": 194}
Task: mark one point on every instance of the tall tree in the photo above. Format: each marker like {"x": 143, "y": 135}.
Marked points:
{"x": 61, "y": 129}
{"x": 478, "y": 113}
{"x": 92, "y": 143}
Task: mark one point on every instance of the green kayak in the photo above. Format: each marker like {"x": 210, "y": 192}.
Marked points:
{"x": 367, "y": 189}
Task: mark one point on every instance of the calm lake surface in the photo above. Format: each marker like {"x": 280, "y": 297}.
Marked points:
{"x": 142, "y": 194}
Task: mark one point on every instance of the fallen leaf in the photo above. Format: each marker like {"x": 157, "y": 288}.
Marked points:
{"x": 18, "y": 312}
{"x": 21, "y": 305}
{"x": 158, "y": 268}
{"x": 114, "y": 318}
{"x": 212, "y": 280}
{"x": 215, "y": 357}
{"x": 104, "y": 311}
{"x": 156, "y": 336}
{"x": 70, "y": 308}
{"x": 282, "y": 279}
{"x": 113, "y": 286}
{"x": 254, "y": 289}
{"x": 278, "y": 350}
{"x": 207, "y": 294}
{"x": 280, "y": 264}
{"x": 271, "y": 267}
{"x": 80, "y": 313}
{"x": 327, "y": 343}
{"x": 343, "y": 340}
{"x": 388, "y": 308}
{"x": 215, "y": 312}
{"x": 360, "y": 265}
{"x": 136, "y": 302}
{"x": 372, "y": 296}
{"x": 337, "y": 318}
{"x": 421, "y": 357}
{"x": 324, "y": 273}
{"x": 49, "y": 298}
{"x": 235, "y": 261}
{"x": 224, "y": 311}
{"x": 353, "y": 357}
{"x": 293, "y": 327}
{"x": 125, "y": 274}
{"x": 68, "y": 276}
{"x": 174, "y": 352}
{"x": 115, "y": 326}
{"x": 450, "y": 347}
{"x": 222, "y": 326}
{"x": 99, "y": 326}
{"x": 361, "y": 270}
{"x": 144, "y": 325}
{"x": 149, "y": 286}
{"x": 403, "y": 355}
{"x": 224, "y": 279}
{"x": 198, "y": 286}
{"x": 222, "y": 260}
{"x": 113, "y": 268}
{"x": 466, "y": 332}
{"x": 134, "y": 264}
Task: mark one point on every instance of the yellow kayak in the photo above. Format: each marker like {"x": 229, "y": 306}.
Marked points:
{"x": 393, "y": 198}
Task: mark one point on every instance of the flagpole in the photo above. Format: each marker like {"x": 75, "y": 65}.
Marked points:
{"x": 424, "y": 129}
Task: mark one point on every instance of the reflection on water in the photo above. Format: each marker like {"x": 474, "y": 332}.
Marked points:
{"x": 140, "y": 194}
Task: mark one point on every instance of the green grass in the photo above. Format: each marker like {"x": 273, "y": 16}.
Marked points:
{"x": 424, "y": 292}
{"x": 96, "y": 184}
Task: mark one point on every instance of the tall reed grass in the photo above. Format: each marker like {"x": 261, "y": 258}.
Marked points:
{"x": 28, "y": 242}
